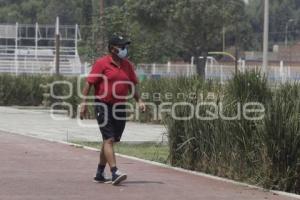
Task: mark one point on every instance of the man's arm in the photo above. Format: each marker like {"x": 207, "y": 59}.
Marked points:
{"x": 83, "y": 106}
{"x": 136, "y": 94}
{"x": 138, "y": 99}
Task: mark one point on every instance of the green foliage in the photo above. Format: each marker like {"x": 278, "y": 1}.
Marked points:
{"x": 28, "y": 90}
{"x": 281, "y": 11}
{"x": 162, "y": 30}
{"x": 87, "y": 12}
{"x": 23, "y": 90}
{"x": 147, "y": 46}
{"x": 195, "y": 25}
{"x": 264, "y": 152}
{"x": 41, "y": 11}
{"x": 281, "y": 139}
{"x": 165, "y": 30}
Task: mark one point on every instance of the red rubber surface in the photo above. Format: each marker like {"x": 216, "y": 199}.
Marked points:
{"x": 32, "y": 169}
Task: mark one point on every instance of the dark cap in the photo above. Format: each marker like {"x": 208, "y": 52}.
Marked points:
{"x": 118, "y": 41}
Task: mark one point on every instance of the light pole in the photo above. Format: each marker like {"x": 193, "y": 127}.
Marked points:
{"x": 57, "y": 47}
{"x": 266, "y": 38}
{"x": 224, "y": 38}
{"x": 100, "y": 41}
{"x": 101, "y": 10}
{"x": 286, "y": 31}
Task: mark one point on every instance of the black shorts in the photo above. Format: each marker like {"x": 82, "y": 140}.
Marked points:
{"x": 110, "y": 127}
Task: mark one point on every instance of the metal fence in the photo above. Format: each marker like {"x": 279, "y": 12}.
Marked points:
{"x": 30, "y": 49}
{"x": 217, "y": 71}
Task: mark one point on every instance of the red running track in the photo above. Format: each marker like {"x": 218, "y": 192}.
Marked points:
{"x": 33, "y": 169}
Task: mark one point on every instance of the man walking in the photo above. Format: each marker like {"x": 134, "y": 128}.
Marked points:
{"x": 112, "y": 77}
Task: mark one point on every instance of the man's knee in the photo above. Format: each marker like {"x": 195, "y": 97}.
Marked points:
{"x": 109, "y": 141}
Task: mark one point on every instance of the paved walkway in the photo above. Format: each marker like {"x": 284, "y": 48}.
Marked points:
{"x": 32, "y": 169}
{"x": 40, "y": 123}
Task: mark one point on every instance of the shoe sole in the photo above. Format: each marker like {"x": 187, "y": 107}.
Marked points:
{"x": 119, "y": 179}
{"x": 105, "y": 182}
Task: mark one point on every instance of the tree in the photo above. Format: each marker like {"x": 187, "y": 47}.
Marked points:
{"x": 42, "y": 11}
{"x": 87, "y": 19}
{"x": 195, "y": 25}
{"x": 281, "y": 11}
{"x": 87, "y": 12}
{"x": 69, "y": 11}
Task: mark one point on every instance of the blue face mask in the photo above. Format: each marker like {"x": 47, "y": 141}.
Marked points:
{"x": 122, "y": 53}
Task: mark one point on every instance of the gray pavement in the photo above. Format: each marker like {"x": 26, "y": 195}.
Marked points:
{"x": 40, "y": 123}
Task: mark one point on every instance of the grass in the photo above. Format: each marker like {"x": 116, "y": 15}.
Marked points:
{"x": 148, "y": 151}
{"x": 263, "y": 152}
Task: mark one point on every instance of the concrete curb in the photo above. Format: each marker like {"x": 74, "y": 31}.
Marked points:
{"x": 281, "y": 193}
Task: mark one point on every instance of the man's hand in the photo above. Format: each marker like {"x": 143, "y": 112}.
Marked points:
{"x": 142, "y": 106}
{"x": 83, "y": 111}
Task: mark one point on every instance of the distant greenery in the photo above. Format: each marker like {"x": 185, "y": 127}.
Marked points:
{"x": 281, "y": 11}
{"x": 162, "y": 30}
{"x": 45, "y": 11}
{"x": 42, "y": 11}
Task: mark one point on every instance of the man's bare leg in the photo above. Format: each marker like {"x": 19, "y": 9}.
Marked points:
{"x": 117, "y": 177}
{"x": 100, "y": 177}
{"x": 102, "y": 158}
{"x": 109, "y": 153}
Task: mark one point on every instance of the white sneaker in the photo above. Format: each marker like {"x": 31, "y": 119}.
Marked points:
{"x": 118, "y": 177}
